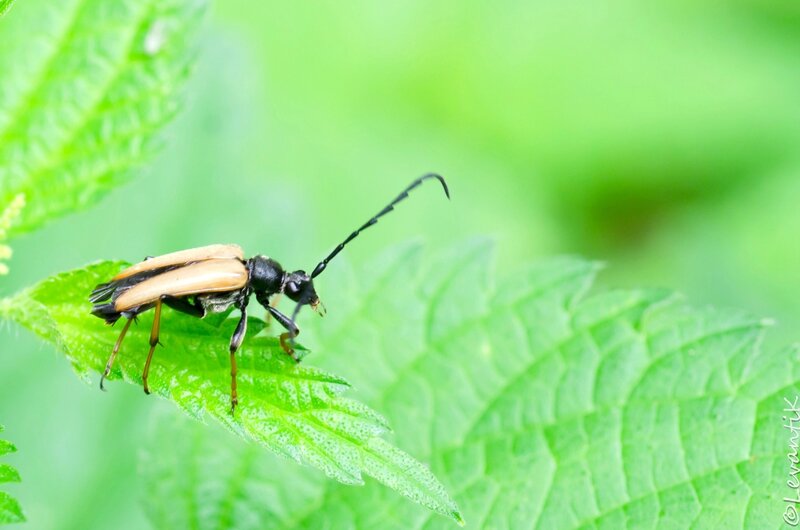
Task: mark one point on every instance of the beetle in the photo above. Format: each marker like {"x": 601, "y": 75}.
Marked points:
{"x": 211, "y": 279}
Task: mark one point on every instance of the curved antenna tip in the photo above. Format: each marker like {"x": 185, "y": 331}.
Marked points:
{"x": 441, "y": 180}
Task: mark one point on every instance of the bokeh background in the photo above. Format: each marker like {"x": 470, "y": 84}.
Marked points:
{"x": 659, "y": 137}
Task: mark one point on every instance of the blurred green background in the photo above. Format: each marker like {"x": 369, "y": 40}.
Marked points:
{"x": 659, "y": 137}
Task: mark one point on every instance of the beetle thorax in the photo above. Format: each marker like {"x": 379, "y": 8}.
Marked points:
{"x": 266, "y": 274}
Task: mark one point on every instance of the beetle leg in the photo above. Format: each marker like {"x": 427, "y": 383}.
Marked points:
{"x": 114, "y": 351}
{"x": 284, "y": 338}
{"x": 292, "y": 329}
{"x": 179, "y": 304}
{"x": 153, "y": 343}
{"x": 236, "y": 341}
{"x": 274, "y": 305}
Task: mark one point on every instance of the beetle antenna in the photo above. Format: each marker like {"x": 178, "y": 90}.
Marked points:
{"x": 389, "y": 207}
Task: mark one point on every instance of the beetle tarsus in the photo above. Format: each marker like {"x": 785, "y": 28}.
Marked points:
{"x": 114, "y": 351}
{"x": 287, "y": 323}
{"x": 287, "y": 348}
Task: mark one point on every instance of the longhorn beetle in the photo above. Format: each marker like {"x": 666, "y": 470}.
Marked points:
{"x": 211, "y": 279}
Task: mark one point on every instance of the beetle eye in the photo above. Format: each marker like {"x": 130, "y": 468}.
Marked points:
{"x": 292, "y": 288}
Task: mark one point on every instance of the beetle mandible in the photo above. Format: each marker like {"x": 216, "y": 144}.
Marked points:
{"x": 212, "y": 279}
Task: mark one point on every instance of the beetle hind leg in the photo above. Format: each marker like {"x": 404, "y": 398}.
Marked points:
{"x": 114, "y": 352}
{"x": 154, "y": 332}
{"x": 179, "y": 304}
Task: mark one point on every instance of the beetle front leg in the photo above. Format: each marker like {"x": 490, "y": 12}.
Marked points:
{"x": 114, "y": 351}
{"x": 236, "y": 341}
{"x": 273, "y": 304}
{"x": 293, "y": 331}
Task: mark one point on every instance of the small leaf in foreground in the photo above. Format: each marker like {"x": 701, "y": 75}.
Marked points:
{"x": 294, "y": 410}
{"x": 86, "y": 85}
{"x": 10, "y": 511}
{"x": 544, "y": 405}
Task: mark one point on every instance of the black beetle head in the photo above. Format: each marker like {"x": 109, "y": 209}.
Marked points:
{"x": 299, "y": 287}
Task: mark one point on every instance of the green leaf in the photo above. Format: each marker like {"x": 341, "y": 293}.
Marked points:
{"x": 6, "y": 447}
{"x": 10, "y": 510}
{"x": 5, "y": 5}
{"x": 86, "y": 86}
{"x": 539, "y": 404}
{"x": 294, "y": 410}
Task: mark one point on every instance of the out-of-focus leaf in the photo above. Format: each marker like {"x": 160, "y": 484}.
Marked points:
{"x": 8, "y": 215}
{"x": 86, "y": 85}
{"x": 5, "y": 5}
{"x": 10, "y": 510}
